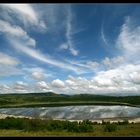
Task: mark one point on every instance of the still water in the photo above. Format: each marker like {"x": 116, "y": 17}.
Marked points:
{"x": 75, "y": 112}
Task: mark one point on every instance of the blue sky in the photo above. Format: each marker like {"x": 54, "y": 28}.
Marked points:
{"x": 70, "y": 48}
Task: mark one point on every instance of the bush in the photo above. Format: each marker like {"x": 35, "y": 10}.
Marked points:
{"x": 105, "y": 122}
{"x": 87, "y": 122}
{"x": 85, "y": 128}
{"x": 94, "y": 123}
{"x": 110, "y": 127}
{"x": 124, "y": 122}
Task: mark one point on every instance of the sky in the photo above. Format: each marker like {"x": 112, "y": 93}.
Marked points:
{"x": 70, "y": 48}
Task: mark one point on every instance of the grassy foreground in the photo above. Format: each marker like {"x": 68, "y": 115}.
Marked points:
{"x": 125, "y": 130}
{"x": 37, "y": 127}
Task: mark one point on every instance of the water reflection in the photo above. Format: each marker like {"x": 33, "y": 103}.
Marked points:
{"x": 75, "y": 112}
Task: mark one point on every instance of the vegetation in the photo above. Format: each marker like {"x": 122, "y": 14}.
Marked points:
{"x": 37, "y": 127}
{"x": 110, "y": 127}
{"x": 49, "y": 125}
{"x": 52, "y": 99}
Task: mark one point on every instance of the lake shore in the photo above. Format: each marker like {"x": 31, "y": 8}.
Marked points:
{"x": 98, "y": 120}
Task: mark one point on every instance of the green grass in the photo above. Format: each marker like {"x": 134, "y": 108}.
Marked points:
{"x": 123, "y": 130}
{"x": 37, "y": 127}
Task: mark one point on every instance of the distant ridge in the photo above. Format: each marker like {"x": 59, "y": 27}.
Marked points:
{"x": 34, "y": 93}
{"x": 74, "y": 95}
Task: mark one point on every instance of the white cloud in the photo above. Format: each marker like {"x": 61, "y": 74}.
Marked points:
{"x": 16, "y": 31}
{"x": 22, "y": 87}
{"x": 39, "y": 56}
{"x": 119, "y": 81}
{"x": 25, "y": 13}
{"x": 22, "y": 45}
{"x": 21, "y": 83}
{"x": 33, "y": 72}
{"x": 118, "y": 78}
{"x": 88, "y": 66}
{"x": 54, "y": 16}
{"x": 58, "y": 83}
{"x": 8, "y": 65}
{"x": 8, "y": 60}
{"x": 70, "y": 82}
{"x": 76, "y": 85}
{"x": 113, "y": 62}
{"x": 63, "y": 46}
{"x": 42, "y": 85}
{"x": 38, "y": 75}
{"x": 7, "y": 70}
{"x": 135, "y": 76}
{"x": 19, "y": 87}
{"x": 85, "y": 66}
{"x": 24, "y": 9}
{"x": 73, "y": 50}
{"x": 129, "y": 41}
{"x": 92, "y": 64}
{"x": 4, "y": 88}
{"x": 20, "y": 40}
{"x": 103, "y": 37}
{"x": 69, "y": 31}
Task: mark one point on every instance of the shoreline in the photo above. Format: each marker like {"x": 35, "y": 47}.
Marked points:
{"x": 98, "y": 120}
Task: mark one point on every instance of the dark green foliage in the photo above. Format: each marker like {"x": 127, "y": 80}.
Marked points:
{"x": 11, "y": 123}
{"x": 88, "y": 122}
{"x": 86, "y": 126}
{"x": 50, "y": 125}
{"x": 105, "y": 122}
{"x": 110, "y": 127}
{"x": 94, "y": 123}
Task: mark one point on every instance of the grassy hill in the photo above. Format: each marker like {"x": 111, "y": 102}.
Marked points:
{"x": 53, "y": 99}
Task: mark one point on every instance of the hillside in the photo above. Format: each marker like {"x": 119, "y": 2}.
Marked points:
{"x": 53, "y": 99}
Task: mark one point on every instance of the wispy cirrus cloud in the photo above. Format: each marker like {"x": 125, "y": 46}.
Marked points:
{"x": 94, "y": 66}
{"x": 103, "y": 37}
{"x": 25, "y": 13}
{"x": 41, "y": 57}
{"x": 21, "y": 40}
{"x": 9, "y": 70}
{"x": 69, "y": 34}
{"x": 8, "y": 60}
{"x": 129, "y": 40}
{"x": 16, "y": 32}
{"x": 8, "y": 65}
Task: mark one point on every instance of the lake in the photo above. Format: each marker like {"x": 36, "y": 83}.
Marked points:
{"x": 75, "y": 112}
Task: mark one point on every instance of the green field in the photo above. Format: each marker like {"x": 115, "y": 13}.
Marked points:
{"x": 26, "y": 127}
{"x": 52, "y": 99}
